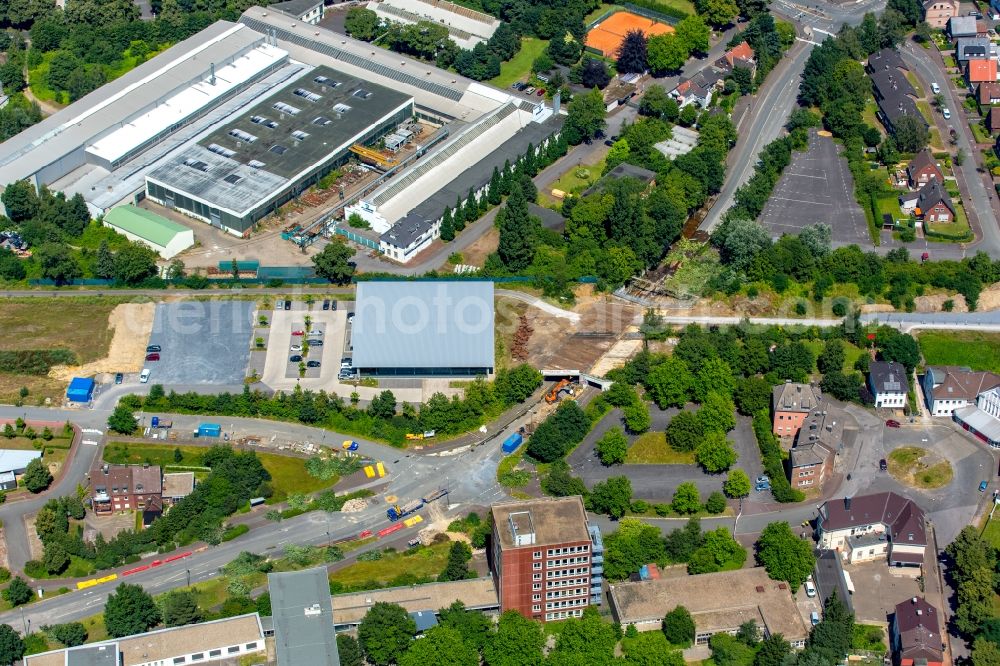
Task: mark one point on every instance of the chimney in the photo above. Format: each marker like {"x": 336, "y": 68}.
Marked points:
{"x": 913, "y": 600}
{"x": 847, "y": 506}
{"x": 919, "y": 612}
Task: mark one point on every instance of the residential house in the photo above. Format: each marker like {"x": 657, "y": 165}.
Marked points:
{"x": 811, "y": 460}
{"x": 887, "y": 382}
{"x": 993, "y": 120}
{"x": 988, "y": 93}
{"x": 871, "y": 527}
{"x": 962, "y": 26}
{"x": 916, "y": 634}
{"x": 177, "y": 486}
{"x": 968, "y": 48}
{"x": 126, "y": 488}
{"x": 741, "y": 55}
{"x": 983, "y": 418}
{"x": 922, "y": 169}
{"x": 937, "y": 12}
{"x": 893, "y": 93}
{"x": 13, "y": 462}
{"x": 934, "y": 204}
{"x": 980, "y": 70}
{"x": 947, "y": 388}
{"x": 791, "y": 403}
{"x": 698, "y": 89}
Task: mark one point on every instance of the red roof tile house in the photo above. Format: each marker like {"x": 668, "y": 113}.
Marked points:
{"x": 116, "y": 488}
{"x": 981, "y": 70}
{"x": 934, "y": 204}
{"x": 988, "y": 93}
{"x": 741, "y": 55}
{"x": 993, "y": 120}
{"x": 916, "y": 634}
{"x": 872, "y": 527}
{"x": 922, "y": 169}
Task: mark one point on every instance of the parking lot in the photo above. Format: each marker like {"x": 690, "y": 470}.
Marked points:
{"x": 202, "y": 342}
{"x": 883, "y": 587}
{"x": 327, "y": 326}
{"x": 817, "y": 187}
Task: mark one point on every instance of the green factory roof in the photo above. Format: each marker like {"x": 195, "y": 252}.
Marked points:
{"x": 144, "y": 224}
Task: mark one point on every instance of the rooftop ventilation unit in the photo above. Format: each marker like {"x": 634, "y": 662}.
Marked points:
{"x": 242, "y": 136}
{"x": 278, "y": 149}
{"x": 256, "y": 164}
{"x": 300, "y": 135}
{"x": 321, "y": 120}
{"x": 362, "y": 93}
{"x": 324, "y": 81}
{"x": 341, "y": 108}
{"x": 220, "y": 150}
{"x": 261, "y": 120}
{"x": 286, "y": 108}
{"x": 306, "y": 94}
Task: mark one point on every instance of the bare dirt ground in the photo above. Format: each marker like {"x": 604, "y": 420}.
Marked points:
{"x": 475, "y": 254}
{"x": 936, "y": 302}
{"x": 110, "y": 526}
{"x": 3, "y": 550}
{"x": 557, "y": 344}
{"x": 35, "y": 546}
{"x": 989, "y": 299}
{"x": 132, "y": 324}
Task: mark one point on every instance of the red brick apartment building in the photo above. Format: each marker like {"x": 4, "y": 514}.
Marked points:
{"x": 791, "y": 403}
{"x": 126, "y": 488}
{"x": 544, "y": 562}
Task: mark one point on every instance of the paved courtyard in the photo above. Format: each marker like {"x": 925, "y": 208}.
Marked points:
{"x": 203, "y": 342}
{"x": 817, "y": 187}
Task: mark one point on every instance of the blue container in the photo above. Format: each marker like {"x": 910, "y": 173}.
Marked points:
{"x": 209, "y": 430}
{"x": 511, "y": 443}
{"x": 155, "y": 422}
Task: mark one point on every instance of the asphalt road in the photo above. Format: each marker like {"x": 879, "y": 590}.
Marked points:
{"x": 770, "y": 108}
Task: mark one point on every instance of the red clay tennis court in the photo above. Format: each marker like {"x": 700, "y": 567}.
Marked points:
{"x": 607, "y": 35}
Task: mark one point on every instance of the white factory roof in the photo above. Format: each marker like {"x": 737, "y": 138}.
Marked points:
{"x": 187, "y": 102}
{"x": 16, "y": 459}
{"x": 122, "y": 99}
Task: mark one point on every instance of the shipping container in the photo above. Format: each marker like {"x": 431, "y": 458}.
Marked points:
{"x": 209, "y": 430}
{"x": 511, "y": 443}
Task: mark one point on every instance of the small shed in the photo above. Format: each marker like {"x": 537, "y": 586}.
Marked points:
{"x": 165, "y": 237}
{"x": 81, "y": 389}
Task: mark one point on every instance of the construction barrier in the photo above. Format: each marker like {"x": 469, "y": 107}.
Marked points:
{"x": 389, "y": 530}
{"x": 410, "y": 522}
{"x": 96, "y": 581}
{"x": 370, "y": 471}
{"x": 381, "y": 470}
{"x": 144, "y": 567}
{"x": 365, "y": 534}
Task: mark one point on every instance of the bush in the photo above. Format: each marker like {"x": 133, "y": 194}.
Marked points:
{"x": 234, "y": 531}
{"x": 716, "y": 503}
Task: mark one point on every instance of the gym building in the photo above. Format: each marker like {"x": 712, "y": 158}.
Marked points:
{"x": 248, "y": 167}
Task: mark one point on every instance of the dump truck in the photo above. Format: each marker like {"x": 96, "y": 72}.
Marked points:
{"x": 208, "y": 430}
{"x": 401, "y": 510}
{"x": 435, "y": 494}
{"x": 157, "y": 422}
{"x": 511, "y": 443}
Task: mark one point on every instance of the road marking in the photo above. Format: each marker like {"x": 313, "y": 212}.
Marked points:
{"x": 90, "y": 442}
{"x": 91, "y": 431}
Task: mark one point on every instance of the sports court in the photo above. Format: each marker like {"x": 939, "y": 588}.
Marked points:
{"x": 608, "y": 35}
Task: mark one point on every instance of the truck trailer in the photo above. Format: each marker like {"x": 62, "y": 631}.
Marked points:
{"x": 435, "y": 494}
{"x": 157, "y": 422}
{"x": 399, "y": 511}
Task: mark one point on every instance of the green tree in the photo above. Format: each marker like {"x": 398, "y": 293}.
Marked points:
{"x": 716, "y": 502}
{"x": 737, "y": 484}
{"x": 585, "y": 116}
{"x": 713, "y": 375}
{"x": 678, "y": 627}
{"x": 666, "y": 53}
{"x": 57, "y": 263}
{"x": 719, "y": 551}
{"x": 104, "y": 264}
{"x": 693, "y": 33}
{"x": 385, "y": 633}
{"x": 631, "y": 55}
{"x": 717, "y": 413}
{"x": 612, "y": 497}
{"x": 180, "y": 608}
{"x": 363, "y": 24}
{"x": 334, "y": 262}
{"x": 18, "y": 592}
{"x": 122, "y": 420}
{"x": 715, "y": 454}
{"x": 20, "y": 200}
{"x": 637, "y": 418}
{"x": 784, "y": 555}
{"x": 686, "y": 499}
{"x": 518, "y": 641}
{"x": 985, "y": 653}
{"x": 349, "y": 651}
{"x": 632, "y": 545}
{"x": 773, "y": 651}
{"x": 134, "y": 263}
{"x": 472, "y": 625}
{"x": 457, "y": 567}
{"x": 517, "y": 231}
{"x": 658, "y": 104}
{"x": 11, "y": 645}
{"x": 685, "y": 431}
{"x": 36, "y": 476}
{"x": 69, "y": 634}
{"x": 831, "y": 359}
{"x": 911, "y": 134}
{"x": 729, "y": 651}
{"x": 752, "y": 395}
{"x": 612, "y": 448}
{"x": 55, "y": 558}
{"x": 649, "y": 648}
{"x": 440, "y": 645}
{"x": 670, "y": 383}
{"x": 130, "y": 610}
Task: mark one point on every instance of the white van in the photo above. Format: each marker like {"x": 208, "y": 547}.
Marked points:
{"x": 810, "y": 589}
{"x": 935, "y": 88}
{"x": 814, "y": 618}
{"x": 946, "y": 112}
{"x": 144, "y": 375}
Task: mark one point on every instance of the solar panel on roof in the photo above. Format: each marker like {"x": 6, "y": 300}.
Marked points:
{"x": 278, "y": 149}
{"x": 242, "y": 136}
{"x": 233, "y": 178}
{"x": 306, "y": 94}
{"x": 285, "y": 108}
{"x": 321, "y": 120}
{"x": 300, "y": 135}
{"x": 196, "y": 164}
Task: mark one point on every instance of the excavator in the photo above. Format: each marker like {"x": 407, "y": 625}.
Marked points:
{"x": 553, "y": 395}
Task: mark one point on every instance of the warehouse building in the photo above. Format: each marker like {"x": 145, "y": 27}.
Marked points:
{"x": 262, "y": 158}
{"x": 78, "y": 148}
{"x": 424, "y": 329}
{"x": 165, "y": 237}
{"x": 13, "y": 463}
{"x": 302, "y": 616}
{"x": 466, "y": 27}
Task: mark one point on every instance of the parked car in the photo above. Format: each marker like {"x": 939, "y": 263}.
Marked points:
{"x": 540, "y": 92}
{"x": 153, "y": 348}
{"x": 326, "y": 303}
{"x": 312, "y": 364}
{"x": 814, "y": 618}
{"x": 810, "y": 589}
{"x": 316, "y": 343}
{"x": 514, "y": 86}
{"x": 609, "y": 142}
{"x": 946, "y": 112}
{"x": 295, "y": 348}
{"x": 316, "y": 333}
{"x": 288, "y": 305}
{"x": 883, "y": 465}
{"x": 350, "y": 317}
{"x": 119, "y": 378}
{"x": 144, "y": 375}
{"x": 298, "y": 332}
{"x": 983, "y": 486}
{"x": 345, "y": 362}
{"x": 529, "y": 90}
{"x": 935, "y": 88}
{"x": 294, "y": 358}
{"x": 153, "y": 357}
{"x": 892, "y": 423}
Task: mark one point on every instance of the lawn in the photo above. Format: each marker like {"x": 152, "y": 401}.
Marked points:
{"x": 889, "y": 205}
{"x": 78, "y": 324}
{"x": 979, "y": 351}
{"x": 573, "y": 181}
{"x": 424, "y": 562}
{"x": 991, "y": 533}
{"x": 908, "y": 466}
{"x": 982, "y": 136}
{"x": 851, "y": 353}
{"x": 25, "y": 444}
{"x": 519, "y": 67}
{"x": 288, "y": 474}
{"x": 651, "y": 448}
{"x": 954, "y": 232}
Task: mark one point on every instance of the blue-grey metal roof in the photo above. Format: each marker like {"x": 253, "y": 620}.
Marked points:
{"x": 105, "y": 654}
{"x": 431, "y": 324}
{"x": 424, "y": 619}
{"x": 303, "y": 618}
